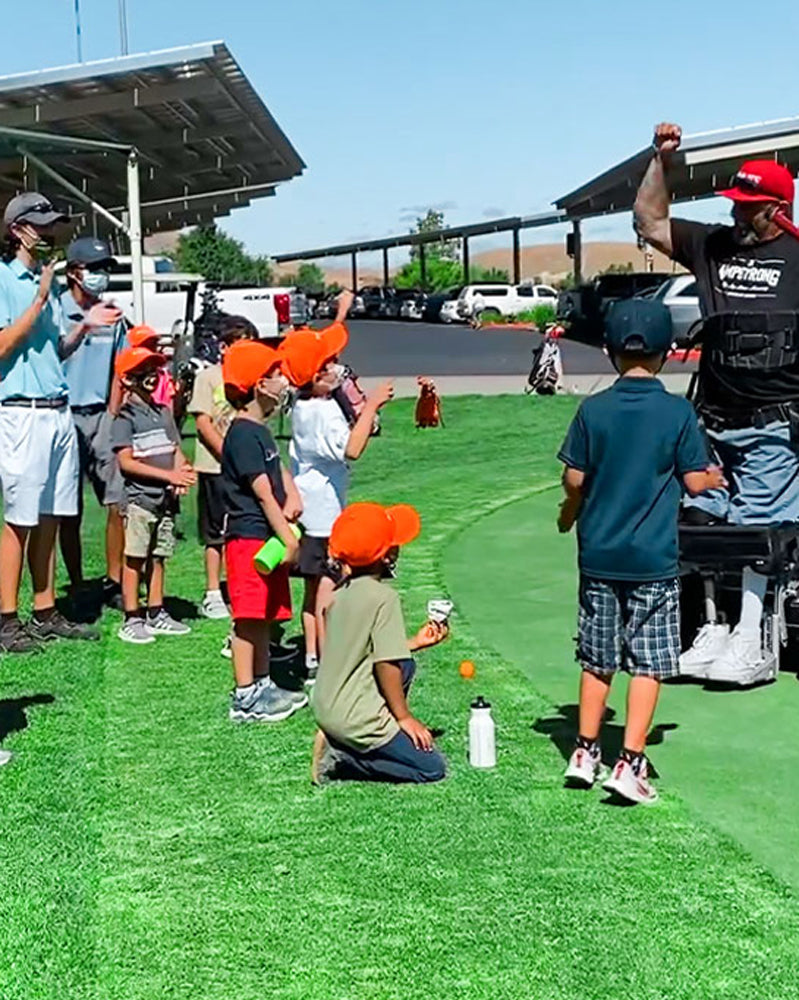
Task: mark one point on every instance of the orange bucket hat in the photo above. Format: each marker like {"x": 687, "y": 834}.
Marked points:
{"x": 247, "y": 361}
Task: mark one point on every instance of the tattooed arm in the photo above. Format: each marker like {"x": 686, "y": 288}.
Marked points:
{"x": 651, "y": 210}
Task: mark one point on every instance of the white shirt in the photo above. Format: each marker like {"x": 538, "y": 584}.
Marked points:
{"x": 320, "y": 433}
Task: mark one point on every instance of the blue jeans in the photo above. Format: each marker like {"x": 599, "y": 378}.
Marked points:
{"x": 395, "y": 761}
{"x": 762, "y": 468}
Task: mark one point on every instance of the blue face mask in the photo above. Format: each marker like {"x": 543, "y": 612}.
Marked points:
{"x": 94, "y": 282}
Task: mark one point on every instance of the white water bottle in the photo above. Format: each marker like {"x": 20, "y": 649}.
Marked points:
{"x": 482, "y": 745}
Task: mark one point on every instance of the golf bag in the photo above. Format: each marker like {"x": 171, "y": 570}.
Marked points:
{"x": 546, "y": 373}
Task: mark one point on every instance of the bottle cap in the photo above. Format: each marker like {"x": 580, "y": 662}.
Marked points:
{"x": 480, "y": 702}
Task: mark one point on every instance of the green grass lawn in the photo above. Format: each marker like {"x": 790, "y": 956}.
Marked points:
{"x": 149, "y": 848}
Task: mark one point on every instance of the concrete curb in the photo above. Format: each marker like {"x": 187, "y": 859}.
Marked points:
{"x": 502, "y": 385}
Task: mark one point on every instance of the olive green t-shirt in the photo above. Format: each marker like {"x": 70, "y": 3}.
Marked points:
{"x": 364, "y": 626}
{"x": 208, "y": 396}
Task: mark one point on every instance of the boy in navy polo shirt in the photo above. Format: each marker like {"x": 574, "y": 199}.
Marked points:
{"x": 628, "y": 453}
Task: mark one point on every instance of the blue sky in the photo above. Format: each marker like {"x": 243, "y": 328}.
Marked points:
{"x": 477, "y": 108}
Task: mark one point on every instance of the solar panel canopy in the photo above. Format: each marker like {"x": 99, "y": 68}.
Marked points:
{"x": 704, "y": 163}
{"x": 206, "y": 141}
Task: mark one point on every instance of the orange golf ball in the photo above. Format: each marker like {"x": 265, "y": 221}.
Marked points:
{"x": 466, "y": 669}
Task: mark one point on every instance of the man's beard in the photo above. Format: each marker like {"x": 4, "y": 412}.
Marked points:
{"x": 745, "y": 235}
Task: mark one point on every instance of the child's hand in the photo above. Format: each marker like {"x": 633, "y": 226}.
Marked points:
{"x": 382, "y": 394}
{"x": 420, "y": 735}
{"x": 292, "y": 551}
{"x": 183, "y": 477}
{"x": 430, "y": 634}
{"x": 566, "y": 519}
{"x": 292, "y": 509}
{"x": 715, "y": 478}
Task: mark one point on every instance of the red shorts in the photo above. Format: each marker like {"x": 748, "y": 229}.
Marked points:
{"x": 253, "y": 595}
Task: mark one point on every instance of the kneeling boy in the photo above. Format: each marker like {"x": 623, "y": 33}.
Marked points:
{"x": 628, "y": 452}
{"x": 366, "y": 729}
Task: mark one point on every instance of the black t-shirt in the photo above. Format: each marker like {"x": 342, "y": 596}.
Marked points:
{"x": 734, "y": 278}
{"x": 249, "y": 451}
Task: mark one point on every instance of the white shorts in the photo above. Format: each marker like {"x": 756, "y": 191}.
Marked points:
{"x": 39, "y": 464}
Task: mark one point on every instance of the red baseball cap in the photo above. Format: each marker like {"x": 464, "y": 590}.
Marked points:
{"x": 364, "y": 532}
{"x": 133, "y": 358}
{"x": 246, "y": 362}
{"x": 761, "y": 180}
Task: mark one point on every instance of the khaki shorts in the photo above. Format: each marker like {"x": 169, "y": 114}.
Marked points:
{"x": 148, "y": 534}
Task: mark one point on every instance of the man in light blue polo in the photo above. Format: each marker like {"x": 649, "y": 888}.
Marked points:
{"x": 94, "y": 398}
{"x": 38, "y": 445}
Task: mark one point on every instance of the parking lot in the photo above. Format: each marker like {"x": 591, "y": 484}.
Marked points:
{"x": 391, "y": 348}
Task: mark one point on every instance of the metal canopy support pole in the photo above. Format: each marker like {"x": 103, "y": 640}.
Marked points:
{"x": 45, "y": 168}
{"x": 134, "y": 234}
{"x": 466, "y": 260}
{"x": 385, "y": 267}
{"x": 517, "y": 258}
{"x": 577, "y": 246}
{"x": 354, "y": 271}
{"x": 423, "y": 266}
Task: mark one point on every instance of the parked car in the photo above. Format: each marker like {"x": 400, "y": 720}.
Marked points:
{"x": 379, "y": 302}
{"x": 450, "y": 313}
{"x": 412, "y": 304}
{"x": 504, "y": 300}
{"x": 434, "y": 301}
{"x": 327, "y": 307}
{"x": 582, "y": 310}
{"x": 680, "y": 295}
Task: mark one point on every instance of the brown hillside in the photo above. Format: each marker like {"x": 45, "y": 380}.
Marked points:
{"x": 547, "y": 262}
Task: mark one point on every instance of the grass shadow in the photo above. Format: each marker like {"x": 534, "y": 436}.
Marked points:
{"x": 562, "y": 730}
{"x": 12, "y": 712}
{"x": 181, "y": 609}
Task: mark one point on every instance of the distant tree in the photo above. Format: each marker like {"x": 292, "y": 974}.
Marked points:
{"x": 439, "y": 274}
{"x": 441, "y": 249}
{"x": 310, "y": 279}
{"x": 497, "y": 274}
{"x": 627, "y": 268}
{"x": 288, "y": 279}
{"x": 215, "y": 255}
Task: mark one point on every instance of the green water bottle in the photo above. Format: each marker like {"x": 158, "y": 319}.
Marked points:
{"x": 272, "y": 553}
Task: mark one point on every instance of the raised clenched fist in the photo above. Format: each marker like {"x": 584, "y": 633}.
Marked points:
{"x": 667, "y": 137}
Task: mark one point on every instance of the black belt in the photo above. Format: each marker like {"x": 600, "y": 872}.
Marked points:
{"x": 89, "y": 411}
{"x": 759, "y": 418}
{"x": 59, "y": 403}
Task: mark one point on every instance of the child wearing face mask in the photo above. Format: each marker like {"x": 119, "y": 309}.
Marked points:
{"x": 156, "y": 472}
{"x": 261, "y": 502}
{"x": 145, "y": 336}
{"x": 322, "y": 446}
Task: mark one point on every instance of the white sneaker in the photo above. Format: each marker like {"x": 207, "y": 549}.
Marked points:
{"x": 214, "y": 606}
{"x": 744, "y": 662}
{"x": 625, "y": 783}
{"x": 710, "y": 643}
{"x": 226, "y": 650}
{"x": 583, "y": 768}
{"x": 5, "y": 757}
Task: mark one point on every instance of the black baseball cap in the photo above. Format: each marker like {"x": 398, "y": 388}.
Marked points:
{"x": 638, "y": 326}
{"x": 32, "y": 207}
{"x": 89, "y": 250}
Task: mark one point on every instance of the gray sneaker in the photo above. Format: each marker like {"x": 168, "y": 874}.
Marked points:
{"x": 164, "y": 624}
{"x": 262, "y": 703}
{"x": 134, "y": 630}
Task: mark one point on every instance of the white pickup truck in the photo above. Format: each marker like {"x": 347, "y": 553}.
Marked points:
{"x": 172, "y": 300}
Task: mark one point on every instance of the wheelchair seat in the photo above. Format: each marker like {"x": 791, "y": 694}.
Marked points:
{"x": 769, "y": 549}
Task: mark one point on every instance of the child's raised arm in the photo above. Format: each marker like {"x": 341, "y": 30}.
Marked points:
{"x": 572, "y": 480}
{"x": 293, "y": 507}
{"x": 362, "y": 431}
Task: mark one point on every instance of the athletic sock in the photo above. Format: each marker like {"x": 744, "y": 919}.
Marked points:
{"x": 8, "y": 616}
{"x": 585, "y": 743}
{"x": 753, "y": 593}
{"x": 635, "y": 758}
{"x": 311, "y": 660}
{"x": 43, "y": 614}
{"x": 130, "y": 615}
{"x": 154, "y": 610}
{"x": 247, "y": 689}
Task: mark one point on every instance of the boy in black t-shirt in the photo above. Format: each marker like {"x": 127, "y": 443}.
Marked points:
{"x": 261, "y": 502}
{"x": 626, "y": 453}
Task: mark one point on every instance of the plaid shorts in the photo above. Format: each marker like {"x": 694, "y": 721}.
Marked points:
{"x": 629, "y": 626}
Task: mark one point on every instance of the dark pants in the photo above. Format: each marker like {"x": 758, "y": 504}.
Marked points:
{"x": 395, "y": 761}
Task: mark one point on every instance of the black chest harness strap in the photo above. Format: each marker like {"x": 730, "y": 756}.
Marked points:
{"x": 757, "y": 341}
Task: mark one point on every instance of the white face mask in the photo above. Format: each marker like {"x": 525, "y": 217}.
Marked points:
{"x": 94, "y": 283}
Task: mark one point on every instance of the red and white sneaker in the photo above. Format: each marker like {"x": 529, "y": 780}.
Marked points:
{"x": 631, "y": 782}
{"x": 584, "y": 767}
